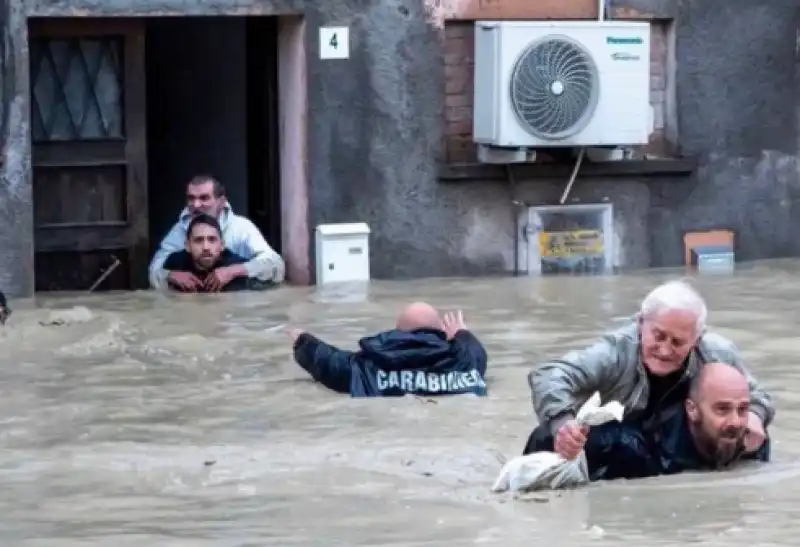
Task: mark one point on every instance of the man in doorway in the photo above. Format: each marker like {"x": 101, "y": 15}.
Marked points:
{"x": 206, "y": 195}
{"x": 204, "y": 254}
{"x": 425, "y": 354}
{"x": 707, "y": 432}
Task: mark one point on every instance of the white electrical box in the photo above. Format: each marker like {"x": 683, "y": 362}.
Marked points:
{"x": 342, "y": 252}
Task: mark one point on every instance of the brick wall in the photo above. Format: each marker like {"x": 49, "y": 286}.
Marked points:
{"x": 459, "y": 47}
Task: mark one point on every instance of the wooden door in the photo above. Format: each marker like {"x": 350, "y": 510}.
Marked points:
{"x": 87, "y": 82}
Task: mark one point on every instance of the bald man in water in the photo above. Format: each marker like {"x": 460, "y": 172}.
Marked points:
{"x": 705, "y": 432}
{"x": 425, "y": 354}
{"x": 717, "y": 413}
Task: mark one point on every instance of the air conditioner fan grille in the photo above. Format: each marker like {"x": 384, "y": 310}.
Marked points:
{"x": 554, "y": 88}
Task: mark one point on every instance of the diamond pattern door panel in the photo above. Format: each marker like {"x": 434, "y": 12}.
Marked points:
{"x": 77, "y": 89}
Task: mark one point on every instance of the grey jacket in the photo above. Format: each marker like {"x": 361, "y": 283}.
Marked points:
{"x": 613, "y": 367}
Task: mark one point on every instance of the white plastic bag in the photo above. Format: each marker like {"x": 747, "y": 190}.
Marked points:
{"x": 548, "y": 470}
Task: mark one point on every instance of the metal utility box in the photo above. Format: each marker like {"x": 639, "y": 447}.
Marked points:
{"x": 342, "y": 252}
{"x": 567, "y": 239}
{"x": 714, "y": 259}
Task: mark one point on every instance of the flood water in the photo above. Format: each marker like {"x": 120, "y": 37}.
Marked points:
{"x": 144, "y": 419}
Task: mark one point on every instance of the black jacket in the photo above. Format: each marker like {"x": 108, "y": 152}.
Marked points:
{"x": 629, "y": 450}
{"x": 5, "y": 311}
{"x": 181, "y": 261}
{"x": 396, "y": 363}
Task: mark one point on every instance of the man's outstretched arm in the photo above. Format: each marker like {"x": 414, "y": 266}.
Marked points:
{"x": 327, "y": 364}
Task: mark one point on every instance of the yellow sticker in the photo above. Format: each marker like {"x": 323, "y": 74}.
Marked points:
{"x": 571, "y": 243}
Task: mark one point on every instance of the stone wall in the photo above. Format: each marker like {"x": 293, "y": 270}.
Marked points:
{"x": 738, "y": 105}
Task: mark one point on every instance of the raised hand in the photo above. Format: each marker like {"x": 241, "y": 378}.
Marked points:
{"x": 452, "y": 323}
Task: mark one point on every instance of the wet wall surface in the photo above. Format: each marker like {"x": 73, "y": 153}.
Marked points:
{"x": 737, "y": 105}
{"x": 737, "y": 91}
{"x": 375, "y": 127}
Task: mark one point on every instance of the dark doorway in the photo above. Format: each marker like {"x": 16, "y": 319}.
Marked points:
{"x": 212, "y": 109}
{"x": 124, "y": 112}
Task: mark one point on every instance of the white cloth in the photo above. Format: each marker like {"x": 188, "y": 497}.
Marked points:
{"x": 548, "y": 470}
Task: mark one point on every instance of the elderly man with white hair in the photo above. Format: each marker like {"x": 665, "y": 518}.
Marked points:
{"x": 647, "y": 366}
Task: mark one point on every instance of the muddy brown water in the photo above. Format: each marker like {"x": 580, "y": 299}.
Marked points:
{"x": 144, "y": 419}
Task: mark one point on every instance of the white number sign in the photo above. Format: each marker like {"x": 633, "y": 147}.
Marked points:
{"x": 334, "y": 43}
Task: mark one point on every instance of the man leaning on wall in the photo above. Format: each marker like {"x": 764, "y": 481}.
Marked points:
{"x": 206, "y": 195}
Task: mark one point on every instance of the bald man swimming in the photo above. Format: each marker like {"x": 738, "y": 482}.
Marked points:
{"x": 425, "y": 354}
{"x": 705, "y": 432}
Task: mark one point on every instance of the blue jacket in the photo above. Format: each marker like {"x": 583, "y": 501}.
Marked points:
{"x": 396, "y": 363}
{"x": 633, "y": 450}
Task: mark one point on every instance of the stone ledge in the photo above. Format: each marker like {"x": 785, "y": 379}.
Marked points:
{"x": 471, "y": 172}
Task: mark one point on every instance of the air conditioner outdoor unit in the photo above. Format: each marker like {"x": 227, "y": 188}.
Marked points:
{"x": 566, "y": 84}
